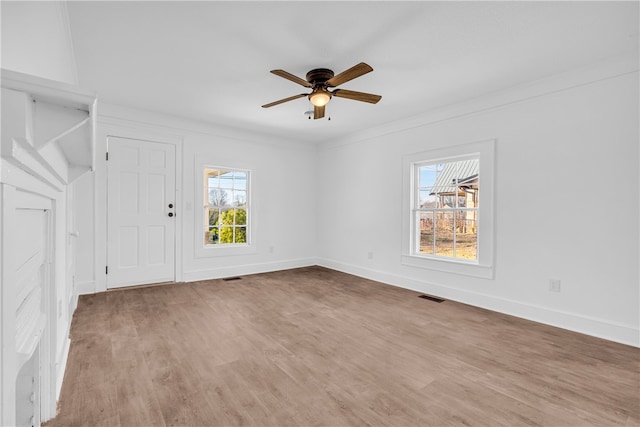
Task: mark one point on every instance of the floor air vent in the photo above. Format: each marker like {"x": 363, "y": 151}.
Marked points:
{"x": 228, "y": 279}
{"x": 431, "y": 298}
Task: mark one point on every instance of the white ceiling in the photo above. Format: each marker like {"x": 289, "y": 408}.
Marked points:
{"x": 210, "y": 61}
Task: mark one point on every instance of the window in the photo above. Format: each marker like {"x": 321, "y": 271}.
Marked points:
{"x": 445, "y": 208}
{"x": 448, "y": 209}
{"x": 226, "y": 206}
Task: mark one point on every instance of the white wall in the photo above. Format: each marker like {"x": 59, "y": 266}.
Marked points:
{"x": 36, "y": 40}
{"x": 83, "y": 207}
{"x": 282, "y": 205}
{"x": 567, "y": 206}
{"x": 283, "y": 196}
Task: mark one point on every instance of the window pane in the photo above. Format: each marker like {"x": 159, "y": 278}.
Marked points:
{"x": 218, "y": 197}
{"x": 226, "y": 234}
{"x": 241, "y": 234}
{"x": 427, "y": 199}
{"x": 226, "y": 179}
{"x": 453, "y": 182}
{"x": 240, "y": 217}
{"x": 425, "y": 222}
{"x": 212, "y": 236}
{"x": 226, "y": 198}
{"x": 240, "y": 181}
{"x": 427, "y": 176}
{"x": 438, "y": 191}
{"x": 239, "y": 198}
{"x": 473, "y": 198}
{"x": 212, "y": 178}
{"x": 213, "y": 215}
{"x": 444, "y": 234}
{"x": 466, "y": 235}
{"x": 226, "y": 216}
{"x": 446, "y": 201}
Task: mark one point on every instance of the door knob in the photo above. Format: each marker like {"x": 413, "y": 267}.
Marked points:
{"x": 170, "y": 213}
{"x": 170, "y": 205}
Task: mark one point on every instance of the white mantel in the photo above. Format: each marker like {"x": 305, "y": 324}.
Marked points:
{"x": 47, "y": 142}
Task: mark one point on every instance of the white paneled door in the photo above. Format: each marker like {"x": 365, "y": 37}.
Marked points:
{"x": 141, "y": 212}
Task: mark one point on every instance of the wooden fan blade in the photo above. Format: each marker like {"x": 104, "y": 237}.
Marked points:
{"x": 291, "y": 98}
{"x": 350, "y": 74}
{"x": 289, "y": 76}
{"x": 357, "y": 96}
{"x": 318, "y": 112}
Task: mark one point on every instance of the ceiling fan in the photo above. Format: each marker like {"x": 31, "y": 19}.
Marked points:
{"x": 320, "y": 80}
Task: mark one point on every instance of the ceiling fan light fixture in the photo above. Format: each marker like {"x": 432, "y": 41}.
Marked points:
{"x": 319, "y": 97}
{"x": 320, "y": 80}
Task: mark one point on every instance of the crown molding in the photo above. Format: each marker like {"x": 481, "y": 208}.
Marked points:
{"x": 119, "y": 115}
{"x": 607, "y": 69}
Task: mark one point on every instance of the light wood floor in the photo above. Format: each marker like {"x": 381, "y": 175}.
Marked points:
{"x": 311, "y": 347}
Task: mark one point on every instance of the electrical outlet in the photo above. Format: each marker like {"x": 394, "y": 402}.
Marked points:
{"x": 370, "y": 255}
{"x": 554, "y": 285}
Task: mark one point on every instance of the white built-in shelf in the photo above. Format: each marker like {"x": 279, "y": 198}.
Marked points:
{"x": 49, "y": 130}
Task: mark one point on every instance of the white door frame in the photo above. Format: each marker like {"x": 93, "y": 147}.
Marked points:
{"x": 150, "y": 262}
{"x": 116, "y": 128}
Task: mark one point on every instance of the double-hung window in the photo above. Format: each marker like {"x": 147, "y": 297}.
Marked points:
{"x": 226, "y": 206}
{"x": 445, "y": 208}
{"x": 448, "y": 209}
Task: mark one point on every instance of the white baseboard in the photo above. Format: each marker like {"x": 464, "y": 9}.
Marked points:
{"x": 574, "y": 322}
{"x": 63, "y": 356}
{"x": 85, "y": 288}
{"x": 600, "y": 328}
{"x": 61, "y": 366}
{"x": 239, "y": 270}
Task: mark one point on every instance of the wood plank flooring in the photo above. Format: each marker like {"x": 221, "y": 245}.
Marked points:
{"x": 315, "y": 347}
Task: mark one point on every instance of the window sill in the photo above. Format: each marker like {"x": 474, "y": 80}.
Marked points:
{"x": 466, "y": 268}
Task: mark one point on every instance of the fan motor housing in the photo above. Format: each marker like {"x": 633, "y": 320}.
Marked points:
{"x": 319, "y": 75}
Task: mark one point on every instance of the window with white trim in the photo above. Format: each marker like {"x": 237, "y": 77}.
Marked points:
{"x": 445, "y": 211}
{"x": 226, "y": 206}
{"x": 448, "y": 214}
